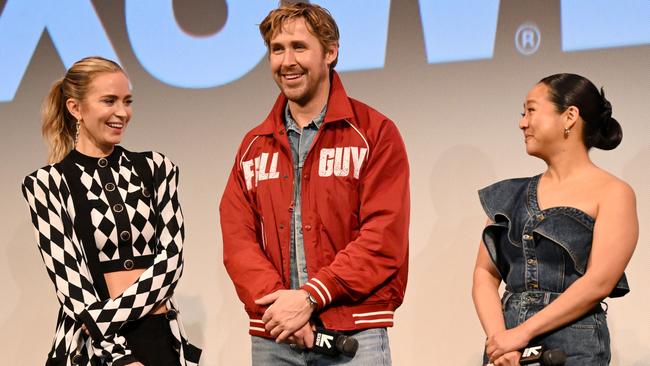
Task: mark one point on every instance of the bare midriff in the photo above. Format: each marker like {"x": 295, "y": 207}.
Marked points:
{"x": 118, "y": 282}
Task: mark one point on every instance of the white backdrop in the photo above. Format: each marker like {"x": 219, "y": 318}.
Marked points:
{"x": 459, "y": 123}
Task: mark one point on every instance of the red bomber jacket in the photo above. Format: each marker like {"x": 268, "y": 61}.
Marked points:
{"x": 355, "y": 215}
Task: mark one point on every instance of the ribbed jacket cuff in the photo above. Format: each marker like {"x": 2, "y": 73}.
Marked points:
{"x": 319, "y": 291}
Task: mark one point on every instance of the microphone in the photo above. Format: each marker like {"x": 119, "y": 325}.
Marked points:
{"x": 332, "y": 343}
{"x": 540, "y": 356}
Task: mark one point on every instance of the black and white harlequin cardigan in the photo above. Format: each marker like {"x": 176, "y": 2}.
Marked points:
{"x": 97, "y": 215}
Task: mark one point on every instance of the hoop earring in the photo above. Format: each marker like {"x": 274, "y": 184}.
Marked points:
{"x": 76, "y": 134}
{"x": 566, "y": 132}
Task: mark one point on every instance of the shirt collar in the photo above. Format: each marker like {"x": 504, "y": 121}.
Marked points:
{"x": 291, "y": 124}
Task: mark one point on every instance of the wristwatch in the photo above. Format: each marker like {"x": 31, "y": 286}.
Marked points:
{"x": 312, "y": 300}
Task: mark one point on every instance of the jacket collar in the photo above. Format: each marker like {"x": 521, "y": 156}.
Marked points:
{"x": 338, "y": 108}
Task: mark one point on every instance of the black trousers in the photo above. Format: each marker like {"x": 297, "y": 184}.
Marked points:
{"x": 151, "y": 341}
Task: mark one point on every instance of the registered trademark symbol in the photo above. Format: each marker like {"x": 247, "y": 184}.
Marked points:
{"x": 527, "y": 39}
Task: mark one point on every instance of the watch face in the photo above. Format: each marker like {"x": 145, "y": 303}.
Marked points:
{"x": 312, "y": 300}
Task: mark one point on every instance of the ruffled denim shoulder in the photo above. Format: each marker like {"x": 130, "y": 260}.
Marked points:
{"x": 512, "y": 204}
{"x": 503, "y": 204}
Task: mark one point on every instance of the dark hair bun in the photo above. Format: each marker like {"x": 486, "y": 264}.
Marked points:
{"x": 609, "y": 134}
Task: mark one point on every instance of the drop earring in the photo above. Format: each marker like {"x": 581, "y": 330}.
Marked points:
{"x": 76, "y": 134}
{"x": 566, "y": 132}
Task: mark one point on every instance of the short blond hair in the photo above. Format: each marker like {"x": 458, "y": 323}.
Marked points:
{"x": 318, "y": 19}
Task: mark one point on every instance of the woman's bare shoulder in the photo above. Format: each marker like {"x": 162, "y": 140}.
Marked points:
{"x": 611, "y": 189}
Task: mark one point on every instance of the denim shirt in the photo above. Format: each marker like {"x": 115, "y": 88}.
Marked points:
{"x": 533, "y": 249}
{"x": 300, "y": 141}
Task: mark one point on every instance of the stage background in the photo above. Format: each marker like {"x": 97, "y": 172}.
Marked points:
{"x": 459, "y": 121}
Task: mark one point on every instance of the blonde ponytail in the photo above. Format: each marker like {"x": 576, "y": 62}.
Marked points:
{"x": 59, "y": 126}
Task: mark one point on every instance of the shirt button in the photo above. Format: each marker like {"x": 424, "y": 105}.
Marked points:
{"x": 527, "y": 237}
{"x": 128, "y": 264}
{"x": 281, "y": 226}
{"x": 110, "y": 187}
{"x": 531, "y": 261}
{"x": 534, "y": 285}
{"x": 540, "y": 217}
{"x": 102, "y": 162}
{"x": 118, "y": 207}
{"x": 307, "y": 227}
{"x": 125, "y": 235}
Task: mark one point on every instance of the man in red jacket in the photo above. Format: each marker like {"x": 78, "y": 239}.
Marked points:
{"x": 315, "y": 213}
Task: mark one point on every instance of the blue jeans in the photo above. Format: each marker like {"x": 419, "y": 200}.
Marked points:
{"x": 585, "y": 341}
{"x": 373, "y": 351}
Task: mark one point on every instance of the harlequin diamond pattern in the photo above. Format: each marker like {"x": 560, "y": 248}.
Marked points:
{"x": 52, "y": 213}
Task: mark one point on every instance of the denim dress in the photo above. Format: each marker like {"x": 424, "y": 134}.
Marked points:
{"x": 539, "y": 254}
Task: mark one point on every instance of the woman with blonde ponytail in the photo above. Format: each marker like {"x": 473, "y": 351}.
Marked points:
{"x": 109, "y": 227}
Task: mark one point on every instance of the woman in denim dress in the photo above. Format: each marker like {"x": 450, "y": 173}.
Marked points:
{"x": 560, "y": 240}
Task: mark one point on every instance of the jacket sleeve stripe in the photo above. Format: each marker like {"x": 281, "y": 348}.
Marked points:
{"x": 372, "y": 321}
{"x": 363, "y": 137}
{"x": 373, "y": 314}
{"x": 263, "y": 234}
{"x": 246, "y": 151}
{"x": 329, "y": 296}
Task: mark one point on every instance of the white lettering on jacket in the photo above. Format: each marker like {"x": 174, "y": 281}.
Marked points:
{"x": 337, "y": 161}
{"x": 258, "y": 169}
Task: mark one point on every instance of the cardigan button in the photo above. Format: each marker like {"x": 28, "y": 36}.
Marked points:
{"x": 118, "y": 207}
{"x": 145, "y": 192}
{"x": 102, "y": 162}
{"x": 128, "y": 264}
{"x": 171, "y": 314}
{"x": 76, "y": 359}
{"x": 125, "y": 235}
{"x": 110, "y": 187}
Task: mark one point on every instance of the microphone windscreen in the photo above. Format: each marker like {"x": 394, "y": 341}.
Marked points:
{"x": 347, "y": 345}
{"x": 554, "y": 357}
